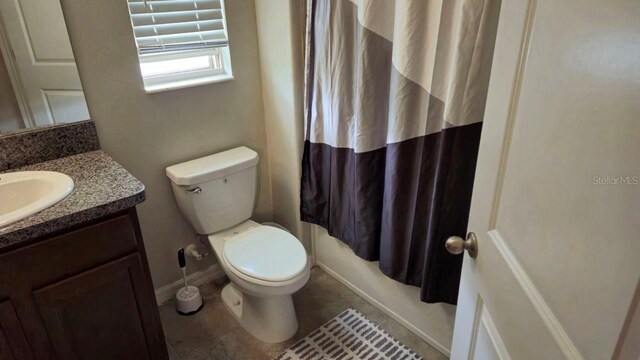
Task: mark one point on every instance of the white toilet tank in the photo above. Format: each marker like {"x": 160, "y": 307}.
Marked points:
{"x": 217, "y": 191}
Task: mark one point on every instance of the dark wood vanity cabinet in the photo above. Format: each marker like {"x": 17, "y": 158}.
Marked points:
{"x": 84, "y": 294}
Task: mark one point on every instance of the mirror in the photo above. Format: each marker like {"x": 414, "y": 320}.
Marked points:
{"x": 39, "y": 82}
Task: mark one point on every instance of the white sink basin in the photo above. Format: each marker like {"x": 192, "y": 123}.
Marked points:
{"x": 24, "y": 193}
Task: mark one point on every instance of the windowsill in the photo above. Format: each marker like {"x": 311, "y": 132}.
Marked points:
{"x": 181, "y": 84}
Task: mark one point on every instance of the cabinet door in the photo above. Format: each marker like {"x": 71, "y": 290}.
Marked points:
{"x": 13, "y": 345}
{"x": 101, "y": 313}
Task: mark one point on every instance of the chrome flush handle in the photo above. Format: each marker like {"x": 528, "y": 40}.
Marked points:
{"x": 456, "y": 245}
{"x": 196, "y": 190}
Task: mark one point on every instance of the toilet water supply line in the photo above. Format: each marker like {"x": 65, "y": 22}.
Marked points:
{"x": 192, "y": 250}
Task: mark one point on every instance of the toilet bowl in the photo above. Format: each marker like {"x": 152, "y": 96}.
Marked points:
{"x": 265, "y": 264}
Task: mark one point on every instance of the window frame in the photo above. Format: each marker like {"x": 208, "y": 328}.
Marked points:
{"x": 158, "y": 83}
{"x": 165, "y": 82}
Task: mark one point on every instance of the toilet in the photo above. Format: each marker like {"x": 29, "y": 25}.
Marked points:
{"x": 265, "y": 264}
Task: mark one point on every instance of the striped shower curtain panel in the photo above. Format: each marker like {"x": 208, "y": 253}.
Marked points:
{"x": 395, "y": 96}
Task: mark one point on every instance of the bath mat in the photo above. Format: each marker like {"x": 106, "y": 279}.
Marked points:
{"x": 348, "y": 336}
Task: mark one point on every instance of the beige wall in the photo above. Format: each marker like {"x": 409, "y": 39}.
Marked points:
{"x": 10, "y": 117}
{"x": 146, "y": 133}
{"x": 282, "y": 82}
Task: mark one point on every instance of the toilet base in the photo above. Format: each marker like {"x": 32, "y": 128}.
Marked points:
{"x": 271, "y": 319}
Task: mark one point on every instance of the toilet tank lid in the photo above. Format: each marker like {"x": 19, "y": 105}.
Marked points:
{"x": 213, "y": 166}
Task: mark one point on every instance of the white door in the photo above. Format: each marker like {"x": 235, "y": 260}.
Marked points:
{"x": 44, "y": 73}
{"x": 556, "y": 200}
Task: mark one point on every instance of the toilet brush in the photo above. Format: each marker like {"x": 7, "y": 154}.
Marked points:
{"x": 188, "y": 299}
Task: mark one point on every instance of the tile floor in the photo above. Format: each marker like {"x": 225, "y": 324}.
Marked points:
{"x": 213, "y": 334}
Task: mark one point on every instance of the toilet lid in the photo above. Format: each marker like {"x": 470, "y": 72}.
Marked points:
{"x": 266, "y": 253}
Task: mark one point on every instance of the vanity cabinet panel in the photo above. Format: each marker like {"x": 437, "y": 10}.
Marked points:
{"x": 84, "y": 294}
{"x": 82, "y": 312}
{"x": 13, "y": 345}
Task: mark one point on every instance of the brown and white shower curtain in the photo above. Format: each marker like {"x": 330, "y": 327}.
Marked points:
{"x": 394, "y": 105}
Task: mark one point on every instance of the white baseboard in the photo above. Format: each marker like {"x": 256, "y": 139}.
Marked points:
{"x": 168, "y": 292}
{"x": 421, "y": 334}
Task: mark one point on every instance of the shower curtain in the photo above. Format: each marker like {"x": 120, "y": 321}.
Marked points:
{"x": 395, "y": 96}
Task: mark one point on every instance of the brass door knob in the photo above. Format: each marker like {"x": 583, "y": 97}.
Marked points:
{"x": 456, "y": 245}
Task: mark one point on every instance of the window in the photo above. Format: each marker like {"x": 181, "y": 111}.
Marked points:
{"x": 180, "y": 43}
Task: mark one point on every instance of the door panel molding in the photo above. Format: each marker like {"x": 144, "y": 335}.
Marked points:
{"x": 57, "y": 102}
{"x": 542, "y": 308}
{"x": 514, "y": 101}
{"x": 14, "y": 76}
{"x": 479, "y": 305}
{"x": 29, "y": 42}
{"x": 483, "y": 319}
{"x": 491, "y": 330}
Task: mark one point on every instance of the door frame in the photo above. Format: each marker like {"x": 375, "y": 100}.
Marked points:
{"x": 14, "y": 76}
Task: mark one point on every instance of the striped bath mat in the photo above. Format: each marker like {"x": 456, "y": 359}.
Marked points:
{"x": 348, "y": 336}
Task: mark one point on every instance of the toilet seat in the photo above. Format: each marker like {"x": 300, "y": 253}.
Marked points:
{"x": 265, "y": 253}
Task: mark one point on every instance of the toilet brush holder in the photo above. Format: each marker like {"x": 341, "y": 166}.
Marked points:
{"x": 188, "y": 299}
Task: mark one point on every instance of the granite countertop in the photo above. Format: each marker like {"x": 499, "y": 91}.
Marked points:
{"x": 102, "y": 187}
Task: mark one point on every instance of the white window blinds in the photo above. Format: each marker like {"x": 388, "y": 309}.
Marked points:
{"x": 177, "y": 25}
